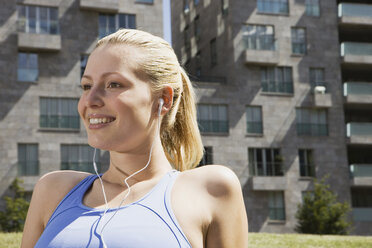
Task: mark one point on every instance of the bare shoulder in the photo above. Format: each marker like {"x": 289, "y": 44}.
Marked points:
{"x": 52, "y": 187}
{"x": 217, "y": 180}
{"x": 219, "y": 190}
{"x": 48, "y": 192}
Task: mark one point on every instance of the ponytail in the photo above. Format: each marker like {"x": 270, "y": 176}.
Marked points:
{"x": 180, "y": 136}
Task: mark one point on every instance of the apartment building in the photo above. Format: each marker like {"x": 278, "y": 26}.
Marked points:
{"x": 284, "y": 97}
{"x": 44, "y": 45}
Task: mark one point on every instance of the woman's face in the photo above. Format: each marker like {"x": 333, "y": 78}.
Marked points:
{"x": 116, "y": 106}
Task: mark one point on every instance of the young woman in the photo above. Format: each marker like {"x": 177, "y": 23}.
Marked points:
{"x": 138, "y": 104}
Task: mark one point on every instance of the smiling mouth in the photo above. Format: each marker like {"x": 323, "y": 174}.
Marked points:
{"x": 103, "y": 120}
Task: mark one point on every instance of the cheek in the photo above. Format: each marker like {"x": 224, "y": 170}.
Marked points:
{"x": 80, "y": 107}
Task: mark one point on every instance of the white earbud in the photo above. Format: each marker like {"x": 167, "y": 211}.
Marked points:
{"x": 161, "y": 103}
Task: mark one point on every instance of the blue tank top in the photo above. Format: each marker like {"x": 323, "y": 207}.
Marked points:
{"x": 148, "y": 222}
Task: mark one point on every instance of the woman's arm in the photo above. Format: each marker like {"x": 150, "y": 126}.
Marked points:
{"x": 229, "y": 226}
{"x": 34, "y": 224}
{"x": 48, "y": 192}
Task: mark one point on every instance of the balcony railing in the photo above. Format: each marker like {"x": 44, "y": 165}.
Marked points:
{"x": 266, "y": 169}
{"x": 213, "y": 126}
{"x": 257, "y": 43}
{"x": 276, "y": 213}
{"x": 28, "y": 168}
{"x": 58, "y": 121}
{"x": 254, "y": 127}
{"x": 312, "y": 129}
{"x": 360, "y": 88}
{"x": 277, "y": 86}
{"x": 356, "y": 10}
{"x": 356, "y": 48}
{"x": 358, "y": 129}
{"x": 362, "y": 214}
{"x": 361, "y": 170}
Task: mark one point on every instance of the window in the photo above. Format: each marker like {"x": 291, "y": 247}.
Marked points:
{"x": 198, "y": 63}
{"x": 317, "y": 77}
{"x": 213, "y": 118}
{"x": 254, "y": 120}
{"x": 265, "y": 162}
{"x": 258, "y": 37}
{"x": 298, "y": 40}
{"x": 59, "y": 113}
{"x": 213, "y": 48}
{"x": 28, "y": 160}
{"x": 79, "y": 157}
{"x": 83, "y": 63}
{"x": 224, "y": 7}
{"x": 197, "y": 28}
{"x": 312, "y": 122}
{"x": 360, "y": 197}
{"x": 312, "y": 7}
{"x": 276, "y": 205}
{"x": 28, "y": 69}
{"x": 273, "y": 6}
{"x": 307, "y": 168}
{"x": 144, "y": 1}
{"x": 186, "y": 6}
{"x": 36, "y": 19}
{"x": 207, "y": 156}
{"x": 196, "y": 2}
{"x": 277, "y": 79}
{"x": 108, "y": 24}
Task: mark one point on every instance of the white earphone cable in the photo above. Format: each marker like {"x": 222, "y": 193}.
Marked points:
{"x": 125, "y": 181}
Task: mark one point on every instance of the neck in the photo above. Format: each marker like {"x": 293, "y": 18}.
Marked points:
{"x": 122, "y": 165}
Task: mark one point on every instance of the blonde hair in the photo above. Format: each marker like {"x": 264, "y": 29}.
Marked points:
{"x": 179, "y": 132}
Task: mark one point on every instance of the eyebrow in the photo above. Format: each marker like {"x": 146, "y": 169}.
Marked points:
{"x": 107, "y": 74}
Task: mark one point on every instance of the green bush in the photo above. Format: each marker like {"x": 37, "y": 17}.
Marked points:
{"x": 320, "y": 213}
{"x": 12, "y": 219}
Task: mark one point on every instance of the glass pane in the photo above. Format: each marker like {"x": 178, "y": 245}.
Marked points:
{"x": 43, "y": 20}
{"x": 31, "y": 19}
{"x": 111, "y": 24}
{"x": 102, "y": 25}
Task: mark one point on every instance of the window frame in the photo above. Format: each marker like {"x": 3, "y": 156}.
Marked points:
{"x": 311, "y": 127}
{"x": 260, "y": 164}
{"x": 273, "y": 197}
{"x": 280, "y": 84}
{"x": 261, "y": 3}
{"x": 298, "y": 45}
{"x": 212, "y": 124}
{"x": 28, "y": 68}
{"x": 256, "y": 124}
{"x": 307, "y": 168}
{"x": 24, "y": 165}
{"x": 56, "y": 121}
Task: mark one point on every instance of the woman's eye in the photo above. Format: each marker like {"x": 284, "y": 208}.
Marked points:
{"x": 85, "y": 87}
{"x": 114, "y": 85}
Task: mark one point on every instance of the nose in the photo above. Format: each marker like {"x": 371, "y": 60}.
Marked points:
{"x": 94, "y": 98}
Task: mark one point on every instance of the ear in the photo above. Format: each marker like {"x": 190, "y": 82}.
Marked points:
{"x": 167, "y": 95}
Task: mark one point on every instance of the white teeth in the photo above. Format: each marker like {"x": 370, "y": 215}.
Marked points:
{"x": 100, "y": 120}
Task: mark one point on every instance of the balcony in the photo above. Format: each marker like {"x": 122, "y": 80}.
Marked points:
{"x": 110, "y": 6}
{"x": 39, "y": 42}
{"x": 362, "y": 214}
{"x": 356, "y": 53}
{"x": 261, "y": 53}
{"x": 351, "y": 13}
{"x": 361, "y": 174}
{"x": 359, "y": 132}
{"x": 321, "y": 96}
{"x": 358, "y": 92}
{"x": 269, "y": 183}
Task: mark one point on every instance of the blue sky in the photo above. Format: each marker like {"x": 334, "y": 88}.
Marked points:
{"x": 167, "y": 21}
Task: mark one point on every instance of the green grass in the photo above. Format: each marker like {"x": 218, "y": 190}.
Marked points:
{"x": 265, "y": 240}
{"x": 10, "y": 240}
{"x": 259, "y": 240}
